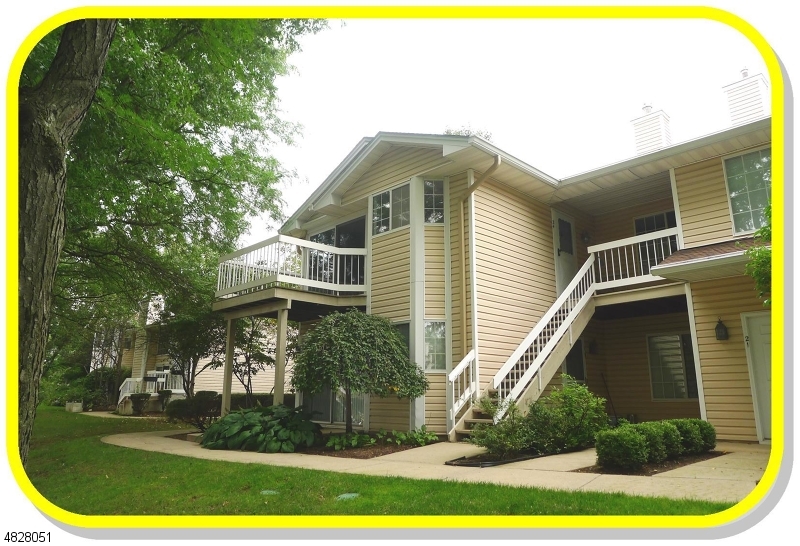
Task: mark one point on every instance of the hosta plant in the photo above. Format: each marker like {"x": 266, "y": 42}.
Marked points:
{"x": 270, "y": 429}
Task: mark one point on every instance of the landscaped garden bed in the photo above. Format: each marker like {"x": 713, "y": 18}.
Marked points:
{"x": 652, "y": 469}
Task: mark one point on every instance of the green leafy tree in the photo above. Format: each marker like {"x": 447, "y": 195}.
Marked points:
{"x": 760, "y": 265}
{"x": 467, "y": 130}
{"x": 359, "y": 353}
{"x": 253, "y": 352}
{"x": 173, "y": 153}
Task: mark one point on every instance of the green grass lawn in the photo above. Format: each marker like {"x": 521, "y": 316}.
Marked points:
{"x": 73, "y": 469}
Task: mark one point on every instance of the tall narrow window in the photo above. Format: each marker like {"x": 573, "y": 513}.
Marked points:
{"x": 401, "y": 206}
{"x": 435, "y": 346}
{"x": 672, "y": 372}
{"x": 434, "y": 201}
{"x": 749, "y": 181}
{"x": 380, "y": 213}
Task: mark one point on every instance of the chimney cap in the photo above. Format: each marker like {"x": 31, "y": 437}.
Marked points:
{"x": 647, "y": 108}
{"x": 744, "y": 72}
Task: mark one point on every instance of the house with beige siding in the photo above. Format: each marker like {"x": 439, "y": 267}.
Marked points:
{"x": 630, "y": 278}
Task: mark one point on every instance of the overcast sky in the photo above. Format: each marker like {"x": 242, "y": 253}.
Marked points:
{"x": 559, "y": 95}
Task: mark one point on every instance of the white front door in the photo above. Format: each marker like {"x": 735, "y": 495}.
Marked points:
{"x": 565, "y": 249}
{"x": 757, "y": 335}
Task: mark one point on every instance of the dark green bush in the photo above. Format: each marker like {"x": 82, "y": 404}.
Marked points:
{"x": 672, "y": 439}
{"x": 348, "y": 441}
{"x": 505, "y": 439}
{"x": 239, "y": 400}
{"x": 567, "y": 419}
{"x": 269, "y": 429}
{"x": 199, "y": 411}
{"x": 139, "y": 402}
{"x": 653, "y": 433}
{"x": 163, "y": 396}
{"x": 621, "y": 447}
{"x": 708, "y": 433}
{"x": 691, "y": 439}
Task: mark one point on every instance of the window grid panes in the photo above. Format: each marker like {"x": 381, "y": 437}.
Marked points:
{"x": 401, "y": 206}
{"x": 672, "y": 373}
{"x": 653, "y": 252}
{"x": 435, "y": 346}
{"x": 380, "y": 213}
{"x": 434, "y": 201}
{"x": 749, "y": 182}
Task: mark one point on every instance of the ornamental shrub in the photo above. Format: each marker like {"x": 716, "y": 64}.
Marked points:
{"x": 672, "y": 439}
{"x": 653, "y": 433}
{"x": 268, "y": 429}
{"x": 199, "y": 411}
{"x": 505, "y": 439}
{"x": 622, "y": 447}
{"x": 139, "y": 402}
{"x": 691, "y": 439}
{"x": 708, "y": 433}
{"x": 568, "y": 419}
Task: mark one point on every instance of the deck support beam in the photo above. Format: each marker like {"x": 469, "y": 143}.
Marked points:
{"x": 280, "y": 357}
{"x": 227, "y": 379}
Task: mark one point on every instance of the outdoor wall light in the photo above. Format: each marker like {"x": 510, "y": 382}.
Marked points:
{"x": 585, "y": 237}
{"x": 593, "y": 347}
{"x": 721, "y": 330}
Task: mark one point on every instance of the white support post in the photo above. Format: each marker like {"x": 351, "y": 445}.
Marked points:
{"x": 280, "y": 357}
{"x": 417, "y": 307}
{"x": 228, "y": 375}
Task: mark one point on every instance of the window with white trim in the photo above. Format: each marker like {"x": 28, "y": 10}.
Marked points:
{"x": 391, "y": 209}
{"x": 672, "y": 373}
{"x": 749, "y": 182}
{"x": 435, "y": 346}
{"x": 434, "y": 201}
{"x": 653, "y": 252}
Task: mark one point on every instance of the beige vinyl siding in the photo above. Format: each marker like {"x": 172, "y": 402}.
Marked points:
{"x": 397, "y": 165}
{"x": 622, "y": 358}
{"x": 434, "y": 272}
{"x": 391, "y": 266}
{"x": 582, "y": 222}
{"x": 263, "y": 382}
{"x": 619, "y": 224}
{"x": 458, "y": 185}
{"x": 726, "y": 381}
{"x": 703, "y": 201}
{"x": 390, "y": 413}
{"x": 140, "y": 348}
{"x": 436, "y": 403}
{"x": 515, "y": 271}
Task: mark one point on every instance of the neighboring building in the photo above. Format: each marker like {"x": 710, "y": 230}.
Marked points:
{"x": 502, "y": 276}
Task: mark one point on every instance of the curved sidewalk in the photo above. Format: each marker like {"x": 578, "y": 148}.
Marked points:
{"x": 728, "y": 478}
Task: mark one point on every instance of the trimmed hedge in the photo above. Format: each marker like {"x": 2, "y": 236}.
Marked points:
{"x": 139, "y": 402}
{"x": 239, "y": 400}
{"x": 631, "y": 446}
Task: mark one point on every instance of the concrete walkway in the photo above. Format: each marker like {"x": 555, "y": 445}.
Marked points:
{"x": 728, "y": 478}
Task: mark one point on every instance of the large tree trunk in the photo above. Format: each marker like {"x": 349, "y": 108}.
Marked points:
{"x": 49, "y": 116}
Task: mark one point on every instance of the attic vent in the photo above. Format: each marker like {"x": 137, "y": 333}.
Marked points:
{"x": 651, "y": 131}
{"x": 748, "y": 98}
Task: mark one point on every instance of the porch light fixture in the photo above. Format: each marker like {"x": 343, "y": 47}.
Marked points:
{"x": 721, "y": 330}
{"x": 585, "y": 237}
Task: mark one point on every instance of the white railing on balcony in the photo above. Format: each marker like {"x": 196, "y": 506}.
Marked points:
{"x": 291, "y": 262}
{"x": 462, "y": 385}
{"x": 615, "y": 264}
{"x": 153, "y": 382}
{"x": 628, "y": 261}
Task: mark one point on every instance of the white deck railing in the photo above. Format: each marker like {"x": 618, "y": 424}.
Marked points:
{"x": 292, "y": 262}
{"x": 153, "y": 382}
{"x": 615, "y": 264}
{"x": 462, "y": 385}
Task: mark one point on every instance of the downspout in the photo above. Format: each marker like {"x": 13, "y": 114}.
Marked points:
{"x": 470, "y": 190}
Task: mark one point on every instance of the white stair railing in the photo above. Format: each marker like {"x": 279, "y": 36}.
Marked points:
{"x": 628, "y": 261}
{"x": 462, "y": 385}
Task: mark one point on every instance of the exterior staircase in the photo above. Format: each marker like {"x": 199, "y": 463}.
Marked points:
{"x": 538, "y": 358}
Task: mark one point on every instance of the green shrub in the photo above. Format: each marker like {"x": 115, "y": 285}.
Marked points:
{"x": 239, "y": 400}
{"x": 691, "y": 439}
{"x": 653, "y": 433}
{"x": 269, "y": 429}
{"x": 163, "y": 397}
{"x": 506, "y": 438}
{"x": 622, "y": 447}
{"x": 708, "y": 433}
{"x": 139, "y": 402}
{"x": 672, "y": 439}
{"x": 347, "y": 441}
{"x": 567, "y": 419}
{"x": 199, "y": 411}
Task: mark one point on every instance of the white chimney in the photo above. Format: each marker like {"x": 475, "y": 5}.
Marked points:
{"x": 651, "y": 131}
{"x": 748, "y": 98}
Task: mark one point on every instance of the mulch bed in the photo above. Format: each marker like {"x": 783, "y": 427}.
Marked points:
{"x": 651, "y": 469}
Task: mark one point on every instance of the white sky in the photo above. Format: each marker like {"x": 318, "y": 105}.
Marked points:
{"x": 559, "y": 95}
